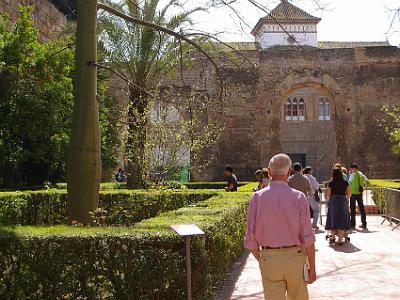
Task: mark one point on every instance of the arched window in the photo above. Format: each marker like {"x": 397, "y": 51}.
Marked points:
{"x": 295, "y": 109}
{"x": 302, "y": 109}
{"x": 288, "y": 110}
{"x": 324, "y": 109}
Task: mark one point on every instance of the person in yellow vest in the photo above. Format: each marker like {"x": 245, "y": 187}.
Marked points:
{"x": 358, "y": 181}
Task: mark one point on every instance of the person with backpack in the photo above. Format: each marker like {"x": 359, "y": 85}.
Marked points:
{"x": 312, "y": 200}
{"x": 358, "y": 182}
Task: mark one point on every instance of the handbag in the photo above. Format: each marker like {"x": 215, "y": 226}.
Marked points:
{"x": 360, "y": 188}
{"x": 316, "y": 196}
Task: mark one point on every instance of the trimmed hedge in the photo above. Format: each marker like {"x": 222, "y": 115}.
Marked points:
{"x": 209, "y": 185}
{"x": 384, "y": 183}
{"x": 118, "y": 207}
{"x": 122, "y": 185}
{"x": 145, "y": 261}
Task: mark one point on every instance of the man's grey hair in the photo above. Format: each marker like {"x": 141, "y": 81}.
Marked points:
{"x": 280, "y": 164}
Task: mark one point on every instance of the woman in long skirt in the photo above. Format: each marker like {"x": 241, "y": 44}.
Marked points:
{"x": 338, "y": 193}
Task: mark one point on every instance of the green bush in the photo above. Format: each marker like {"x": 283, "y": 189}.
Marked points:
{"x": 145, "y": 261}
{"x": 209, "y": 185}
{"x": 384, "y": 183}
{"x": 121, "y": 207}
{"x": 379, "y": 193}
{"x": 379, "y": 197}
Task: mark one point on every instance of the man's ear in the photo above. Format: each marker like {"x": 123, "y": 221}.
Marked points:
{"x": 289, "y": 171}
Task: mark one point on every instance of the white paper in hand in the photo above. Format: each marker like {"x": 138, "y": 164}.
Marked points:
{"x": 306, "y": 274}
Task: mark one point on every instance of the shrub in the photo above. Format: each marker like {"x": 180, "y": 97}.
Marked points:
{"x": 122, "y": 207}
{"x": 145, "y": 261}
{"x": 384, "y": 183}
{"x": 379, "y": 197}
{"x": 209, "y": 185}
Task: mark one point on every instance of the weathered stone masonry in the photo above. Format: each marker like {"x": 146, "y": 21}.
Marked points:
{"x": 356, "y": 81}
{"x": 47, "y": 18}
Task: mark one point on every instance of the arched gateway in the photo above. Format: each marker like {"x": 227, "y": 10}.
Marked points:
{"x": 308, "y": 133}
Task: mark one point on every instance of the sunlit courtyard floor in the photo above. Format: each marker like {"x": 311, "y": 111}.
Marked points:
{"x": 368, "y": 267}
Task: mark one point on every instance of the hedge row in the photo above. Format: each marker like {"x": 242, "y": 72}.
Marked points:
{"x": 145, "y": 261}
{"x": 122, "y": 185}
{"x": 384, "y": 183}
{"x": 122, "y": 207}
{"x": 209, "y": 185}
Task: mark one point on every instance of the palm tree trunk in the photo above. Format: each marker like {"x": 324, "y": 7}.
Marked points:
{"x": 84, "y": 157}
{"x": 135, "y": 148}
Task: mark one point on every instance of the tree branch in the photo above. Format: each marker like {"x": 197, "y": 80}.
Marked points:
{"x": 168, "y": 31}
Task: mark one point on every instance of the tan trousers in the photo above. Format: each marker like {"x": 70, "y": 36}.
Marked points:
{"x": 282, "y": 274}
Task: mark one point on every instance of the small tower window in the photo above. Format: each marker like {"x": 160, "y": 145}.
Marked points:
{"x": 324, "y": 109}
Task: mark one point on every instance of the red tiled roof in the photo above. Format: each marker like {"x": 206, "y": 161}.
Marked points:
{"x": 287, "y": 11}
{"x": 284, "y": 12}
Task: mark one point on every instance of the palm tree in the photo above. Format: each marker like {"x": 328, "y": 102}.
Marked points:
{"x": 143, "y": 56}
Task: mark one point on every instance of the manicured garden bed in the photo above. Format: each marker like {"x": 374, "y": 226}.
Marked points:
{"x": 143, "y": 261}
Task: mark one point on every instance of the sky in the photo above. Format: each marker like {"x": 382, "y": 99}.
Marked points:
{"x": 342, "y": 20}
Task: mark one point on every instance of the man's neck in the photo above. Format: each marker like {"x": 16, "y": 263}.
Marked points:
{"x": 280, "y": 178}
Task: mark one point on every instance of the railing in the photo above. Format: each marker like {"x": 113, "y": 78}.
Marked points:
{"x": 391, "y": 207}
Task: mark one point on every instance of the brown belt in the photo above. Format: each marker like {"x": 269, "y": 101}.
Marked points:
{"x": 283, "y": 247}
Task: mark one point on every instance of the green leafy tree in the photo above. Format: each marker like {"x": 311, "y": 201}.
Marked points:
{"x": 391, "y": 124}
{"x": 110, "y": 128}
{"x": 143, "y": 56}
{"x": 84, "y": 150}
{"x": 35, "y": 104}
{"x": 180, "y": 132}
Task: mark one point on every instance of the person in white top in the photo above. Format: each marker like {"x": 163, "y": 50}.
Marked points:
{"x": 311, "y": 197}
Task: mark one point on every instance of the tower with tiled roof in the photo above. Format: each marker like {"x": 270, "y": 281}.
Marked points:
{"x": 286, "y": 24}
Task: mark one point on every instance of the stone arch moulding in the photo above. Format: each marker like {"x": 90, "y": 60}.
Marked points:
{"x": 325, "y": 83}
{"x": 325, "y": 86}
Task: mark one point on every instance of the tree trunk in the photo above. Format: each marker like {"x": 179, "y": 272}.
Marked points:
{"x": 84, "y": 157}
{"x": 135, "y": 147}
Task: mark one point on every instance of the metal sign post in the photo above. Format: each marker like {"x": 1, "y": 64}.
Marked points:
{"x": 187, "y": 230}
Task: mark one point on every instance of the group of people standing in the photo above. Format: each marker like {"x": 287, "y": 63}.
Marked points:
{"x": 340, "y": 188}
{"x": 279, "y": 232}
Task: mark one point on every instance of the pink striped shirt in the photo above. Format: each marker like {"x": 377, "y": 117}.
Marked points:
{"x": 278, "y": 216}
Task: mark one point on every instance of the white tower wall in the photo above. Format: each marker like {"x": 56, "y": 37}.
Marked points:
{"x": 273, "y": 34}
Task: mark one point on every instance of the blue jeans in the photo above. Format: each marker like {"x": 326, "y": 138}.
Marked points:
{"x": 360, "y": 203}
{"x": 315, "y": 209}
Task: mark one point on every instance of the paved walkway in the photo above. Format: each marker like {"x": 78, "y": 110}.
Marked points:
{"x": 367, "y": 268}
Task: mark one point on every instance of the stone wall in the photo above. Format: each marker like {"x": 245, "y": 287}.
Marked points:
{"x": 357, "y": 82}
{"x": 47, "y": 18}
